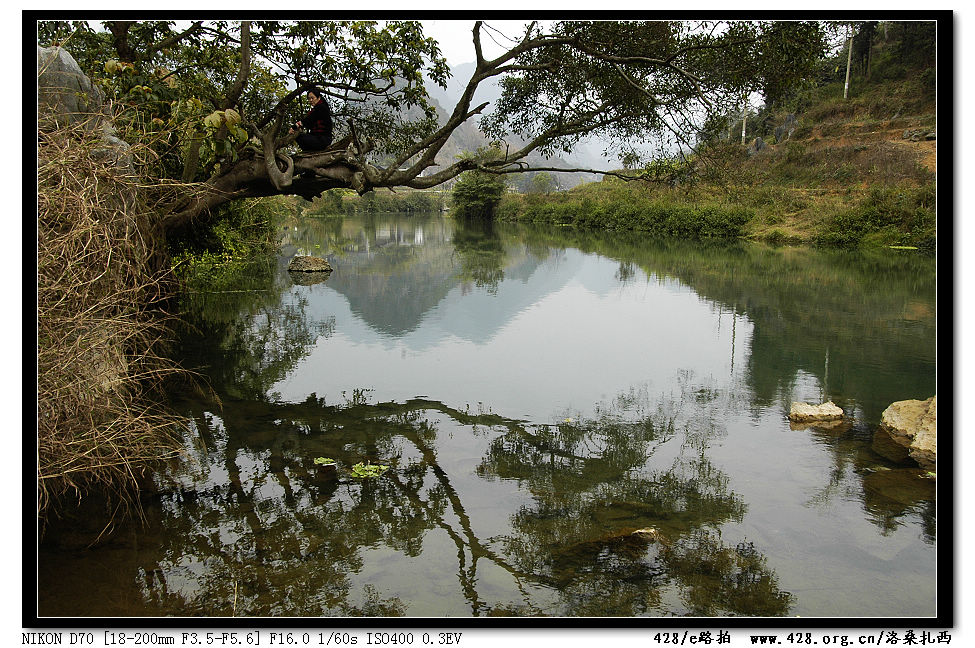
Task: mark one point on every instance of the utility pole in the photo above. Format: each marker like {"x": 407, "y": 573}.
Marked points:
{"x": 849, "y": 57}
{"x": 744, "y": 117}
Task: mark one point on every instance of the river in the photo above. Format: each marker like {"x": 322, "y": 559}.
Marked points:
{"x": 571, "y": 423}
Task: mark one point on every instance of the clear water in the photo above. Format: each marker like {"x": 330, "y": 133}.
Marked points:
{"x": 575, "y": 423}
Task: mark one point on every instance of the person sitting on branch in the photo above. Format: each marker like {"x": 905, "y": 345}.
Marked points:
{"x": 317, "y": 124}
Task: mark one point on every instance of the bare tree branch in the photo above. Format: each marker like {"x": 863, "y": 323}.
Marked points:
{"x": 172, "y": 40}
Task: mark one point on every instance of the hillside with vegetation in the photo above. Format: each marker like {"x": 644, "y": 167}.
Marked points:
{"x": 842, "y": 171}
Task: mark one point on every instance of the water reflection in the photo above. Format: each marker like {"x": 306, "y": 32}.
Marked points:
{"x": 247, "y": 336}
{"x": 594, "y": 411}
{"x": 625, "y": 511}
{"x": 482, "y": 253}
{"x": 892, "y": 492}
{"x": 843, "y": 319}
{"x": 250, "y": 525}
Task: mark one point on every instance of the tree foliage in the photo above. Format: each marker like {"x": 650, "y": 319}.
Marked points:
{"x": 219, "y": 96}
{"x": 542, "y": 182}
{"x": 476, "y": 193}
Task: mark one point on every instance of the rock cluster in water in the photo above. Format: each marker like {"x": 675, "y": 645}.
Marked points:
{"x": 914, "y": 425}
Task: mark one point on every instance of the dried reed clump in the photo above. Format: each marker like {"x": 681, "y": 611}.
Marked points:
{"x": 99, "y": 326}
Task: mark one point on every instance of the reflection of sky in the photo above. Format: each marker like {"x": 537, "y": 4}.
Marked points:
{"x": 566, "y": 337}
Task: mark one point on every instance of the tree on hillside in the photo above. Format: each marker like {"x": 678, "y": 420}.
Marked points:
{"x": 542, "y": 182}
{"x": 218, "y": 97}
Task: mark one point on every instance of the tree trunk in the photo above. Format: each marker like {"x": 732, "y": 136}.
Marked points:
{"x": 120, "y": 39}
{"x": 251, "y": 177}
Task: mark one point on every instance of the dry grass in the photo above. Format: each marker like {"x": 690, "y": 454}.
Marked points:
{"x": 100, "y": 330}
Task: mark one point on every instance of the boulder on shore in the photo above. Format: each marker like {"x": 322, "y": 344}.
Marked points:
{"x": 66, "y": 97}
{"x": 309, "y": 264}
{"x": 64, "y": 93}
{"x": 803, "y": 412}
{"x": 914, "y": 425}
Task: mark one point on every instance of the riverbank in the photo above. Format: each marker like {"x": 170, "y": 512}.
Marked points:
{"x": 822, "y": 168}
{"x": 898, "y": 215}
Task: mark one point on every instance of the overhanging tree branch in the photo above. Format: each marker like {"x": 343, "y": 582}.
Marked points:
{"x": 623, "y": 80}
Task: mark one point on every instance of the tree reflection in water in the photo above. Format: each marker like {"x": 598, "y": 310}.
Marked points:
{"x": 481, "y": 253}
{"x": 621, "y": 512}
{"x": 614, "y": 530}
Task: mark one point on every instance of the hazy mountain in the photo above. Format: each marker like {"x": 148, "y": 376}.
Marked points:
{"x": 468, "y": 137}
{"x": 459, "y": 76}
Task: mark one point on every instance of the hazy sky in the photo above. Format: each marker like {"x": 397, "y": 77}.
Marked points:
{"x": 457, "y": 43}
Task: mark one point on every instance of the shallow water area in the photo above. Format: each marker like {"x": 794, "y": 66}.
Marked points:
{"x": 574, "y": 424}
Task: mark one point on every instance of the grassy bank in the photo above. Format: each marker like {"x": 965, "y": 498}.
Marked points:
{"x": 861, "y": 194}
{"x": 209, "y": 255}
{"x": 101, "y": 333}
{"x": 621, "y": 208}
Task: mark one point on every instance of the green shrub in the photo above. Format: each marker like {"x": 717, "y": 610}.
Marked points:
{"x": 207, "y": 252}
{"x": 887, "y": 215}
{"x": 377, "y": 202}
{"x": 477, "y": 193}
{"x": 329, "y": 204}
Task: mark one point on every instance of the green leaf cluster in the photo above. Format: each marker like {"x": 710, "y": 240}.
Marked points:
{"x": 171, "y": 83}
{"x": 368, "y": 471}
{"x": 361, "y": 470}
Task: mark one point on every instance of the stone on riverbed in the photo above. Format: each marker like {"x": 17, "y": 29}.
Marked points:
{"x": 804, "y": 412}
{"x": 309, "y": 264}
{"x": 914, "y": 425}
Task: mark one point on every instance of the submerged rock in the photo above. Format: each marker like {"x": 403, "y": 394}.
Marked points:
{"x": 914, "y": 425}
{"x": 309, "y": 278}
{"x": 309, "y": 264}
{"x": 834, "y": 426}
{"x": 804, "y": 412}
{"x": 887, "y": 448}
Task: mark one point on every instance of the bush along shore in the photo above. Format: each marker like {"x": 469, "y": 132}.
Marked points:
{"x": 628, "y": 213}
{"x": 902, "y": 215}
{"x": 345, "y": 202}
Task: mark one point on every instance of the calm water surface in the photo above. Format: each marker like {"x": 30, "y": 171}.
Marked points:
{"x": 574, "y": 423}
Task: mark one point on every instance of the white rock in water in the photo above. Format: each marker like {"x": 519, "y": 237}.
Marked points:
{"x": 801, "y": 412}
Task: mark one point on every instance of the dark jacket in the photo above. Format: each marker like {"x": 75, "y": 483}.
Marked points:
{"x": 319, "y": 120}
